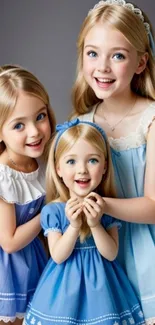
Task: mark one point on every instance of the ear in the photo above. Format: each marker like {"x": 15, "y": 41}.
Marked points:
{"x": 58, "y": 171}
{"x": 142, "y": 63}
{"x": 105, "y": 167}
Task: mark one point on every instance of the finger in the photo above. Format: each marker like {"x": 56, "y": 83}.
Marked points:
{"x": 74, "y": 208}
{"x": 87, "y": 213}
{"x": 95, "y": 197}
{"x": 93, "y": 205}
{"x": 72, "y": 200}
{"x": 91, "y": 209}
{"x": 74, "y": 204}
{"x": 76, "y": 213}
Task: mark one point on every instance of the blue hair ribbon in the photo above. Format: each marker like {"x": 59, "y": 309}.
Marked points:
{"x": 61, "y": 128}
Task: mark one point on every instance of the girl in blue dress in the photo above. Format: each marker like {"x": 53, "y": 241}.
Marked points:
{"x": 115, "y": 87}
{"x": 83, "y": 282}
{"x": 26, "y": 124}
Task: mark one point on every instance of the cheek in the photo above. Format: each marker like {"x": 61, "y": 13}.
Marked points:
{"x": 87, "y": 67}
{"x": 66, "y": 174}
{"x": 126, "y": 71}
{"x": 98, "y": 173}
{"x": 46, "y": 129}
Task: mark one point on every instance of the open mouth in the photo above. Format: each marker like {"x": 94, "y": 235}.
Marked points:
{"x": 34, "y": 144}
{"x": 82, "y": 181}
{"x": 104, "y": 81}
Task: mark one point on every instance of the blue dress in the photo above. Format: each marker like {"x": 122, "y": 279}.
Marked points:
{"x": 137, "y": 241}
{"x": 20, "y": 271}
{"x": 84, "y": 289}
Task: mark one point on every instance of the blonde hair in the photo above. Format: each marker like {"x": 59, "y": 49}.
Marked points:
{"x": 12, "y": 79}
{"x": 130, "y": 25}
{"x": 56, "y": 190}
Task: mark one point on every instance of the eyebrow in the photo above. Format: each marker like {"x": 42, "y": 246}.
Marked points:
{"x": 90, "y": 155}
{"x": 112, "y": 49}
{"x": 22, "y": 118}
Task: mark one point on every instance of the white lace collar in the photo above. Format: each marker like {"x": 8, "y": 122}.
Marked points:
{"x": 134, "y": 139}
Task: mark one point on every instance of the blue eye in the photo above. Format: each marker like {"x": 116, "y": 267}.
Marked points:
{"x": 92, "y": 54}
{"x": 70, "y": 162}
{"x": 93, "y": 161}
{"x": 19, "y": 126}
{"x": 118, "y": 56}
{"x": 41, "y": 116}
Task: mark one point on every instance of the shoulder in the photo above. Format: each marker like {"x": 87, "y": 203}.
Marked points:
{"x": 54, "y": 207}
{"x": 21, "y": 188}
{"x": 88, "y": 116}
{"x": 148, "y": 118}
{"x": 53, "y": 217}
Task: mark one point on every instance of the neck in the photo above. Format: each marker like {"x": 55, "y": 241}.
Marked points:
{"x": 119, "y": 105}
{"x": 20, "y": 163}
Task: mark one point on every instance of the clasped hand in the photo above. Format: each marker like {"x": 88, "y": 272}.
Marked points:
{"x": 92, "y": 206}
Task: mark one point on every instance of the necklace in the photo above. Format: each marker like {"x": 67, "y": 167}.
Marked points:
{"x": 113, "y": 127}
{"x": 18, "y": 166}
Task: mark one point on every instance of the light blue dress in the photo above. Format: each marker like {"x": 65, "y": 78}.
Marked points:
{"x": 20, "y": 271}
{"x": 137, "y": 241}
{"x": 86, "y": 288}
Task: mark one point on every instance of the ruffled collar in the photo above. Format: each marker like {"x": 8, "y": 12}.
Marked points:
{"x": 19, "y": 187}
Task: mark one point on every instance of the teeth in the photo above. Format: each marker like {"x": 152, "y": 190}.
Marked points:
{"x": 82, "y": 180}
{"x": 34, "y": 143}
{"x": 104, "y": 80}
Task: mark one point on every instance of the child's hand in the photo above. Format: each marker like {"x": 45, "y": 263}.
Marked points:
{"x": 93, "y": 207}
{"x": 73, "y": 210}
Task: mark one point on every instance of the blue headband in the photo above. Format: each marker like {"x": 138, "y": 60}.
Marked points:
{"x": 61, "y": 128}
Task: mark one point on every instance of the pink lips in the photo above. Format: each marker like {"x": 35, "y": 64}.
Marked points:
{"x": 35, "y": 144}
{"x": 104, "y": 83}
{"x": 83, "y": 183}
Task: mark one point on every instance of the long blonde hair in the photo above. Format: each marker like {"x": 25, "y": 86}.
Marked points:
{"x": 130, "y": 25}
{"x": 56, "y": 190}
{"x": 12, "y": 79}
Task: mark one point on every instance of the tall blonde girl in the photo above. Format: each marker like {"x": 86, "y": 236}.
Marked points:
{"x": 115, "y": 87}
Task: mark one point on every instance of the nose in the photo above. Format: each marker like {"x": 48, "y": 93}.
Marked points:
{"x": 82, "y": 168}
{"x": 103, "y": 65}
{"x": 33, "y": 130}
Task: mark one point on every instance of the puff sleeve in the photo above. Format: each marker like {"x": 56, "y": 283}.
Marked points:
{"x": 52, "y": 218}
{"x": 109, "y": 222}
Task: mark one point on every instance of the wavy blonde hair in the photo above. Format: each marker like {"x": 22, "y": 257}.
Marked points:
{"x": 12, "y": 79}
{"x": 130, "y": 25}
{"x": 56, "y": 190}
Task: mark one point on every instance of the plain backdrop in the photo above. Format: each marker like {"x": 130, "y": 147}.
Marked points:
{"x": 41, "y": 36}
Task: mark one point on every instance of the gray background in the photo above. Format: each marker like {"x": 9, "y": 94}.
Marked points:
{"x": 41, "y": 36}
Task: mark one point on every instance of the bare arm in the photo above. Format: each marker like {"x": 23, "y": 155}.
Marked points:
{"x": 61, "y": 246}
{"x": 139, "y": 210}
{"x": 13, "y": 238}
{"x": 106, "y": 241}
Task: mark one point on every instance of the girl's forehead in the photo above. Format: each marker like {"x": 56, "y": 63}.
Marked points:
{"x": 81, "y": 147}
{"x": 104, "y": 31}
{"x": 106, "y": 36}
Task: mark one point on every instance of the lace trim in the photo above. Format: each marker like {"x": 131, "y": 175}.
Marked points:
{"x": 50, "y": 230}
{"x": 134, "y": 139}
{"x": 11, "y": 319}
{"x": 138, "y": 137}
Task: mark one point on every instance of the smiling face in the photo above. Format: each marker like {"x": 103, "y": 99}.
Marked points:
{"x": 109, "y": 62}
{"x": 81, "y": 168}
{"x": 27, "y": 129}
